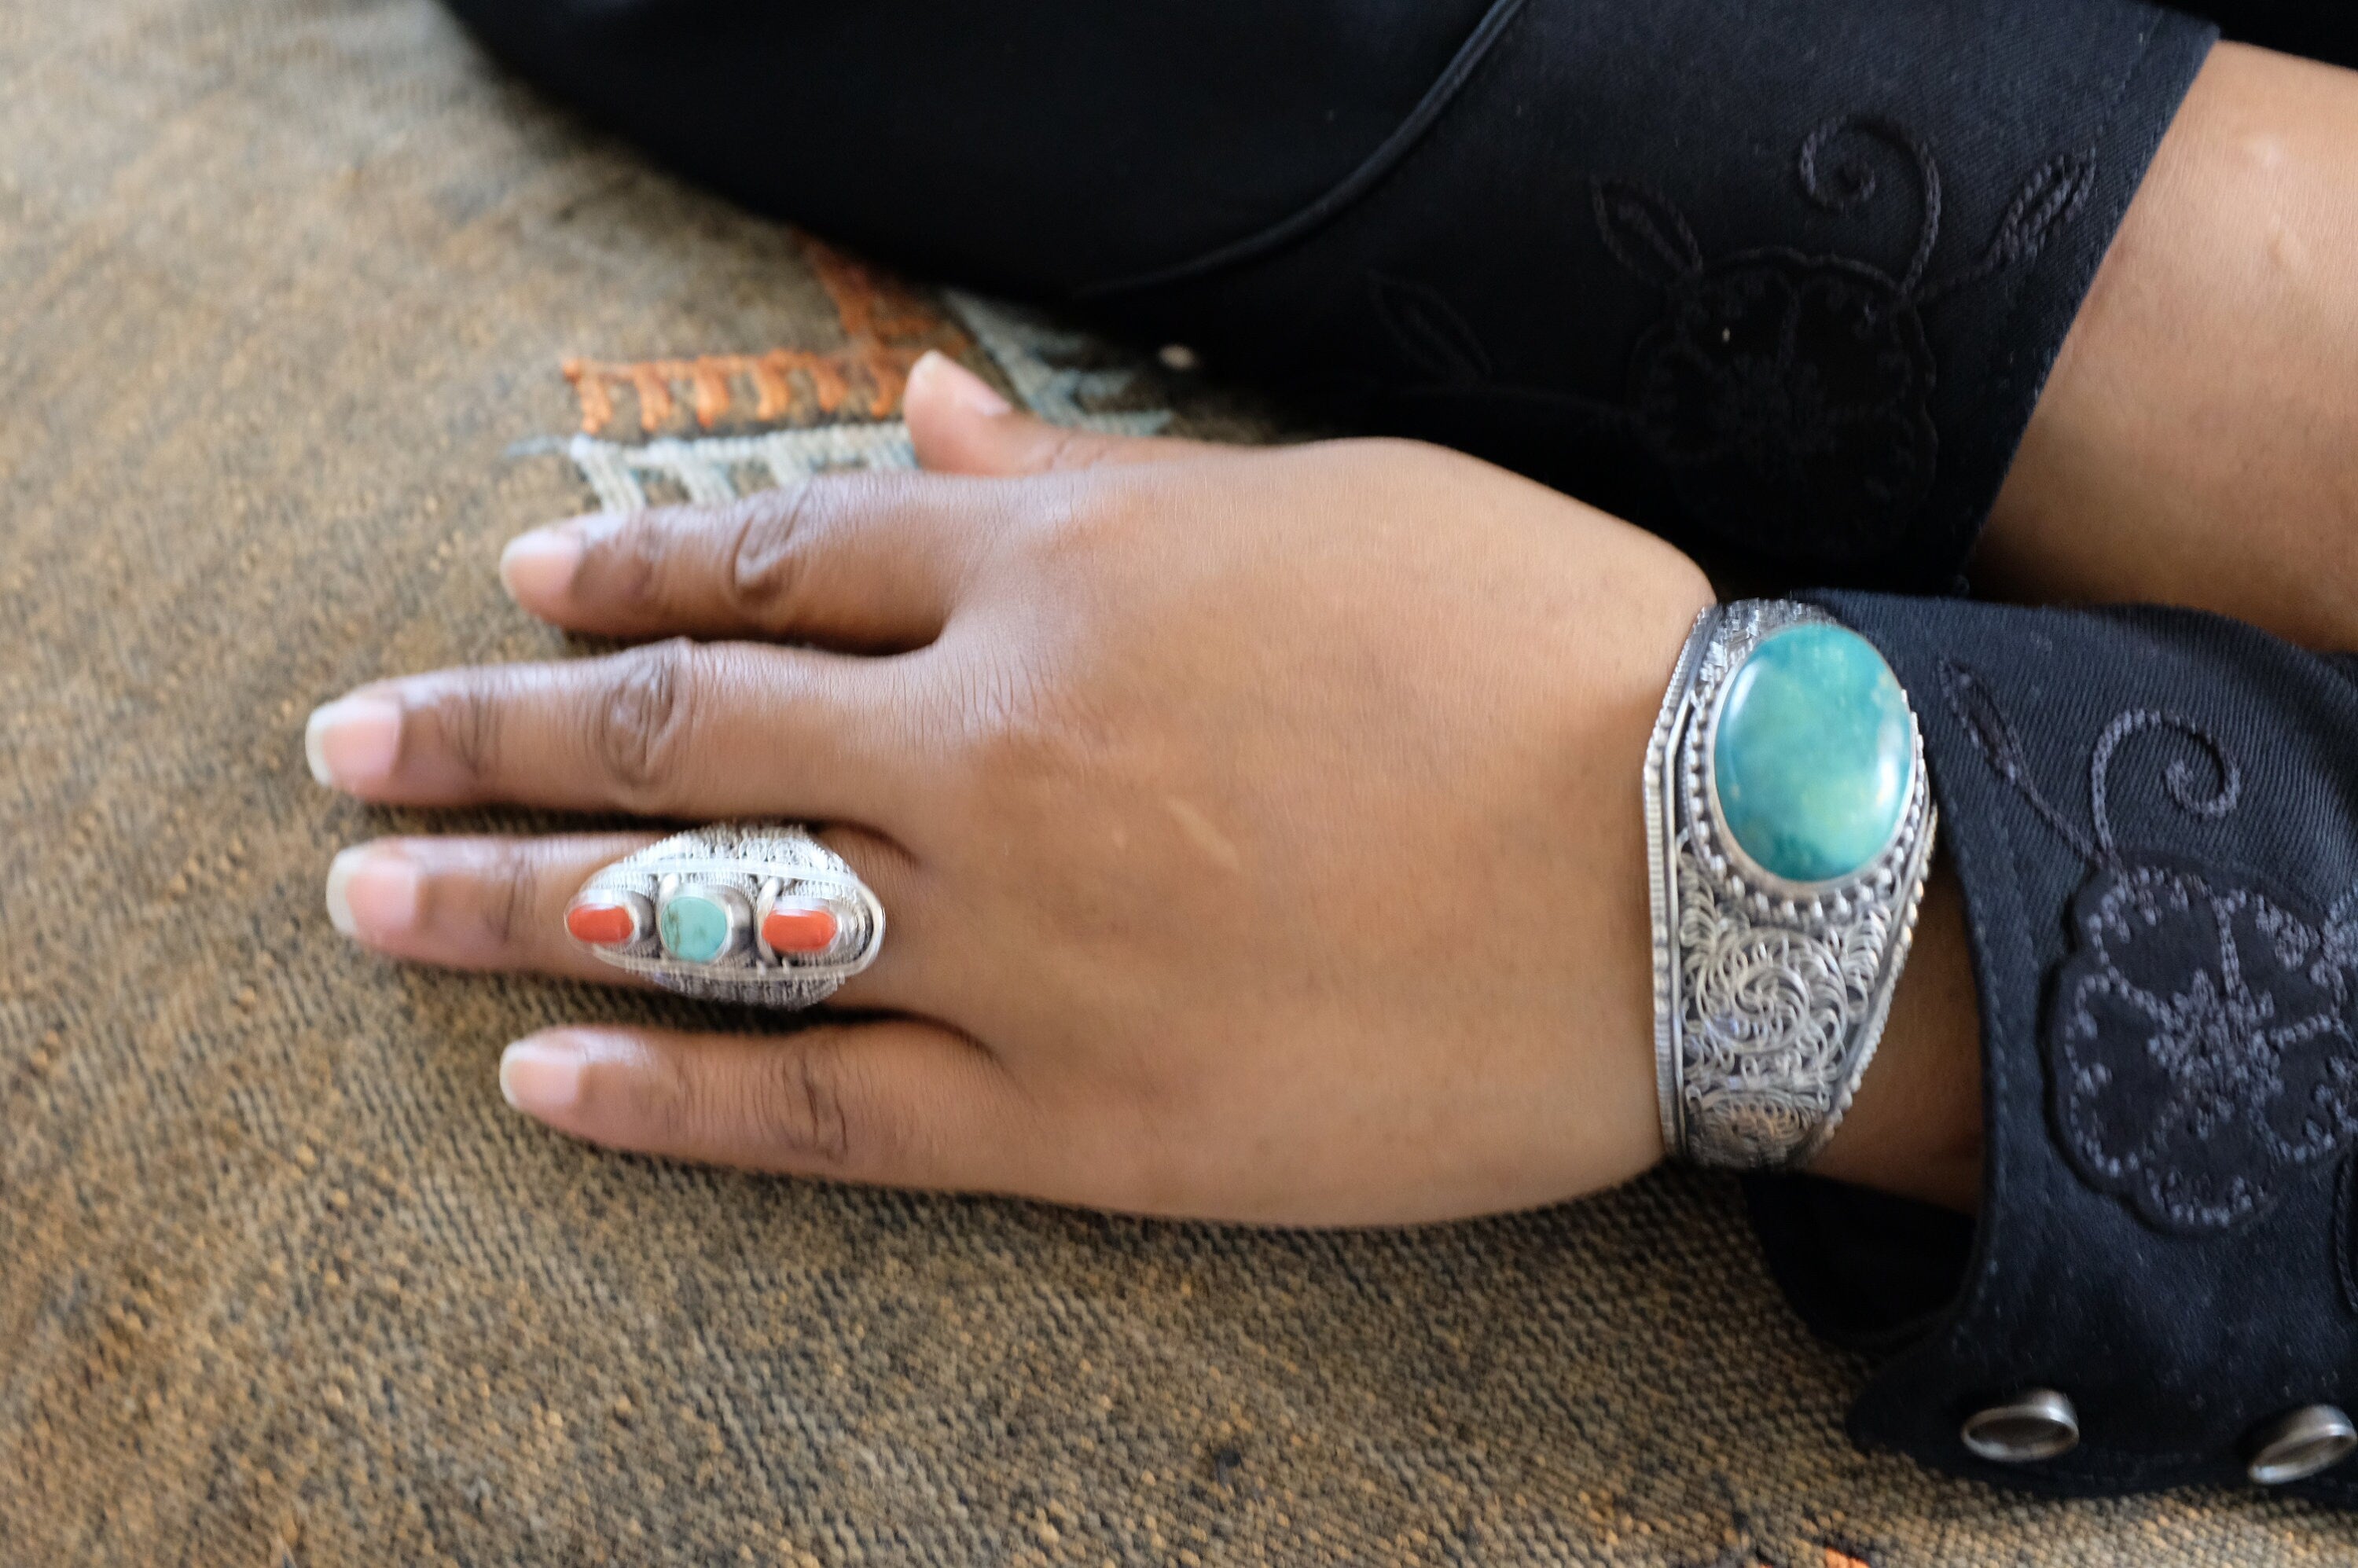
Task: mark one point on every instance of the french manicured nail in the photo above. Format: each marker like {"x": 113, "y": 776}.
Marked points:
{"x": 541, "y": 1076}
{"x": 965, "y": 388}
{"x": 538, "y": 568}
{"x": 352, "y": 743}
{"x": 372, "y": 893}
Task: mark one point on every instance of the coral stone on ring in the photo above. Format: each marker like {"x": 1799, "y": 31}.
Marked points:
{"x": 805, "y": 926}
{"x": 758, "y": 913}
{"x": 610, "y": 920}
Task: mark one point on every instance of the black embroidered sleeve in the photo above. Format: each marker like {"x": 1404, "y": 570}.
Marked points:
{"x": 1788, "y": 397}
{"x": 1781, "y": 282}
{"x": 1782, "y": 285}
{"x": 2155, "y": 818}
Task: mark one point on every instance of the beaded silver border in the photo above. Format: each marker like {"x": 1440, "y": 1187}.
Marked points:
{"x": 765, "y": 861}
{"x": 1769, "y": 996}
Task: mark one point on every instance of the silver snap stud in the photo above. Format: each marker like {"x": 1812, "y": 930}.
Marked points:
{"x": 2035, "y": 1424}
{"x": 2299, "y": 1443}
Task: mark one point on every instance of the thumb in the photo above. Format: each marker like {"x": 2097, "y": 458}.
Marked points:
{"x": 960, "y": 425}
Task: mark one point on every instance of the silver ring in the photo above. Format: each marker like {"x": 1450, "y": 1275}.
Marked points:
{"x": 752, "y": 911}
{"x": 1770, "y": 995}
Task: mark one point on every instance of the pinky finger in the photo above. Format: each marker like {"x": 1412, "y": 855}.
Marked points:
{"x": 894, "y": 1102}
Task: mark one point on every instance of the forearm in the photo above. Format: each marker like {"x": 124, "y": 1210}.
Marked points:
{"x": 2197, "y": 443}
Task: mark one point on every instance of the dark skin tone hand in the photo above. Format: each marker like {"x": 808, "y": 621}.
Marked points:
{"x": 1259, "y": 829}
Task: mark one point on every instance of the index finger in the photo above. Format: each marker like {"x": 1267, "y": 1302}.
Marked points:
{"x": 870, "y": 563}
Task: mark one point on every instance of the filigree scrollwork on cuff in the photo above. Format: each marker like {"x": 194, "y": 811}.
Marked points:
{"x": 1771, "y": 985}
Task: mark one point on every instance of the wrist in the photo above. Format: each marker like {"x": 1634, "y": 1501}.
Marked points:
{"x": 1915, "y": 1125}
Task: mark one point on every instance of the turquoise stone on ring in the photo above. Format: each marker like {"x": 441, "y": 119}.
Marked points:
{"x": 1812, "y": 757}
{"x": 694, "y": 926}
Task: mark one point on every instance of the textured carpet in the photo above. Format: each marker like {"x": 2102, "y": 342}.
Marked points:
{"x": 288, "y": 289}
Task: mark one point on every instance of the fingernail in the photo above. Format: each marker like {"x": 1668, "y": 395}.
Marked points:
{"x": 352, "y": 740}
{"x": 541, "y": 1076}
{"x": 538, "y": 568}
{"x": 372, "y": 893}
{"x": 965, "y": 388}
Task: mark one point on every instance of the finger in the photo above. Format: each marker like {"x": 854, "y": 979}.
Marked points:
{"x": 867, "y": 563}
{"x": 858, "y": 563}
{"x": 474, "y": 903}
{"x": 674, "y": 728}
{"x": 897, "y": 1102}
{"x": 500, "y": 904}
{"x": 959, "y": 425}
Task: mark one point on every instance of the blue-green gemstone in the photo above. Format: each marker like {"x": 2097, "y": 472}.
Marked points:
{"x": 695, "y": 928}
{"x": 1811, "y": 756}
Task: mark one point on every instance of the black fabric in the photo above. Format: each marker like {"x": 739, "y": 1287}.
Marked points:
{"x": 1866, "y": 1270}
{"x": 2324, "y": 29}
{"x": 1779, "y": 280}
{"x": 2154, "y": 815}
{"x": 1036, "y": 147}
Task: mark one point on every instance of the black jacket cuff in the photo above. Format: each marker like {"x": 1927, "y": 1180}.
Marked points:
{"x": 2154, "y": 815}
{"x": 1781, "y": 283}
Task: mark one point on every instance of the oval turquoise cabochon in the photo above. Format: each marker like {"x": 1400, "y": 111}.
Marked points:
{"x": 1811, "y": 756}
{"x": 693, "y": 927}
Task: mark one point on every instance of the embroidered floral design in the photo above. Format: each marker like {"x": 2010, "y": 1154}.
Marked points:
{"x": 2199, "y": 1044}
{"x": 2202, "y": 1043}
{"x": 886, "y": 328}
{"x": 1788, "y": 396}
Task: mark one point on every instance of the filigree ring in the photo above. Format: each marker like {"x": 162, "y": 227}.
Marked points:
{"x": 758, "y": 913}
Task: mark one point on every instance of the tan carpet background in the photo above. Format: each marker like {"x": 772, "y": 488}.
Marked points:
{"x": 286, "y": 287}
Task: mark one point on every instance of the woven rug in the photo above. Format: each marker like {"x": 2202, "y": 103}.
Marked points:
{"x": 303, "y": 311}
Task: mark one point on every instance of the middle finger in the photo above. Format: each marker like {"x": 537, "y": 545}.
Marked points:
{"x": 676, "y": 728}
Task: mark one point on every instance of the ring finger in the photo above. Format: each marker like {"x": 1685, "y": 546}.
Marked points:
{"x": 499, "y": 903}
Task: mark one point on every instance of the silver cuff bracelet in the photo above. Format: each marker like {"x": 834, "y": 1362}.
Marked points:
{"x": 1789, "y": 832}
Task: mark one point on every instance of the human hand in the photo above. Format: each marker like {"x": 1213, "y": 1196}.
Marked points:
{"x": 1259, "y": 829}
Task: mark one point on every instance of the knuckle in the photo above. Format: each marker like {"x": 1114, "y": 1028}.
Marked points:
{"x": 809, "y": 1118}
{"x": 1077, "y": 523}
{"x": 1035, "y": 751}
{"x": 509, "y": 896}
{"x": 643, "y": 1098}
{"x": 627, "y": 562}
{"x": 1014, "y": 728}
{"x": 769, "y": 558}
{"x": 466, "y": 717}
{"x": 640, "y": 717}
{"x": 1061, "y": 516}
{"x": 1066, "y": 450}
